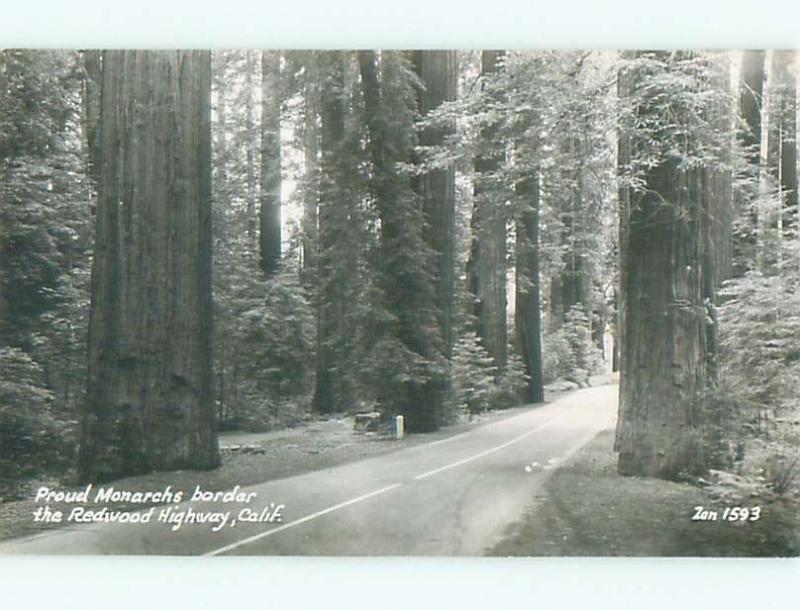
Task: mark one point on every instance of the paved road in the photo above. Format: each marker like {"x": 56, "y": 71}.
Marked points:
{"x": 451, "y": 497}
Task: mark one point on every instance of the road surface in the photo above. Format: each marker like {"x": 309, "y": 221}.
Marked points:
{"x": 455, "y": 496}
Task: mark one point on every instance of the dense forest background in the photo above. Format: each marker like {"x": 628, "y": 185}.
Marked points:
{"x": 242, "y": 240}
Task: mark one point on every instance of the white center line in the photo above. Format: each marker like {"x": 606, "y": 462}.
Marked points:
{"x": 305, "y": 519}
{"x": 245, "y": 541}
{"x": 425, "y": 475}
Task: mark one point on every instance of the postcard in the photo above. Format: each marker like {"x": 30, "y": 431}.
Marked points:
{"x": 399, "y": 302}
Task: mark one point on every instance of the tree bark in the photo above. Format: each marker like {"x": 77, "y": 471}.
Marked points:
{"x": 719, "y": 177}
{"x": 717, "y": 219}
{"x": 751, "y": 91}
{"x": 310, "y": 186}
{"x": 270, "y": 211}
{"x": 438, "y": 72}
{"x": 750, "y": 100}
{"x": 149, "y": 396}
{"x": 220, "y": 135}
{"x": 486, "y": 268}
{"x": 405, "y": 256}
{"x": 91, "y": 108}
{"x": 573, "y": 283}
{"x": 616, "y": 333}
{"x": 251, "y": 137}
{"x": 329, "y": 396}
{"x": 663, "y": 309}
{"x": 527, "y": 314}
{"x": 782, "y": 137}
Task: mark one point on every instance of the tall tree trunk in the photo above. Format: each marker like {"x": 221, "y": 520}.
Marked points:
{"x": 486, "y": 268}
{"x": 270, "y": 211}
{"x": 91, "y": 108}
{"x": 220, "y": 135}
{"x": 751, "y": 92}
{"x": 617, "y": 336}
{"x": 149, "y": 398}
{"x": 251, "y": 137}
{"x": 717, "y": 219}
{"x": 328, "y": 396}
{"x": 750, "y": 99}
{"x": 663, "y": 310}
{"x": 789, "y": 182}
{"x": 527, "y": 314}
{"x": 719, "y": 177}
{"x": 405, "y": 257}
{"x": 219, "y": 205}
{"x": 782, "y": 137}
{"x": 438, "y": 72}
{"x": 3, "y": 239}
{"x": 310, "y": 186}
{"x": 573, "y": 283}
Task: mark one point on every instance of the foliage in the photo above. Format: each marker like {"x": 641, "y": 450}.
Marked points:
{"x": 584, "y": 356}
{"x": 44, "y": 193}
{"x": 34, "y": 437}
{"x": 264, "y": 345}
{"x": 560, "y": 111}
{"x": 473, "y": 374}
{"x": 510, "y": 386}
{"x": 264, "y": 329}
{"x": 414, "y": 372}
{"x": 672, "y": 106}
{"x": 569, "y": 351}
{"x": 759, "y": 330}
{"x": 45, "y": 246}
{"x": 760, "y": 324}
{"x": 37, "y": 101}
{"x": 32, "y": 262}
{"x": 275, "y": 378}
{"x": 478, "y": 386}
{"x": 556, "y": 355}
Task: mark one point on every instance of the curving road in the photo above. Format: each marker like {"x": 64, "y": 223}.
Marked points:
{"x": 451, "y": 497}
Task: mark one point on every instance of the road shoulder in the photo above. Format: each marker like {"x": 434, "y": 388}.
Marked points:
{"x": 586, "y": 509}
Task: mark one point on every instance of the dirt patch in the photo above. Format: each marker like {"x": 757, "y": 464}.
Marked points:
{"x": 586, "y": 509}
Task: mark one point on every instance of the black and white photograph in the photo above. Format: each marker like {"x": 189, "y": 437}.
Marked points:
{"x": 397, "y": 302}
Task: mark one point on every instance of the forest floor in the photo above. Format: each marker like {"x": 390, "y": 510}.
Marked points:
{"x": 586, "y": 509}
{"x": 250, "y": 458}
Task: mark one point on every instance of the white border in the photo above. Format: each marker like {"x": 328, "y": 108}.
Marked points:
{"x": 401, "y": 23}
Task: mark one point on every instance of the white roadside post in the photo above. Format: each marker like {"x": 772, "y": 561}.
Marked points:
{"x": 399, "y": 427}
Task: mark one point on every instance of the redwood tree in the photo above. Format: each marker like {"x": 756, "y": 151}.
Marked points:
{"x": 332, "y": 392}
{"x": 438, "y": 73}
{"x": 751, "y": 94}
{"x": 310, "y": 186}
{"x": 525, "y": 172}
{"x": 667, "y": 276}
{"x": 270, "y": 210}
{"x": 750, "y": 99}
{"x": 486, "y": 268}
{"x": 782, "y": 137}
{"x": 414, "y": 374}
{"x": 527, "y": 312}
{"x": 149, "y": 401}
